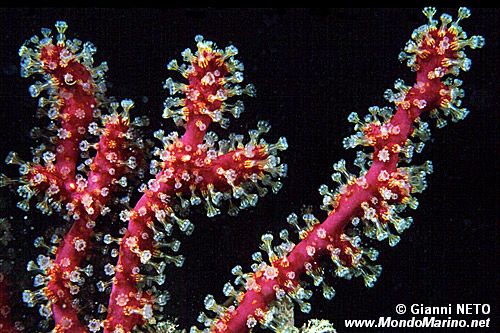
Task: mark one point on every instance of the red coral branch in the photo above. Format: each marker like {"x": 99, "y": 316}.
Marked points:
{"x": 75, "y": 246}
{"x": 75, "y": 94}
{"x": 189, "y": 165}
{"x": 199, "y": 169}
{"x": 74, "y": 88}
{"x": 190, "y": 170}
{"x": 374, "y": 197}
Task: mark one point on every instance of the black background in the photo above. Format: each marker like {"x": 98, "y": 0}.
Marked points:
{"x": 311, "y": 69}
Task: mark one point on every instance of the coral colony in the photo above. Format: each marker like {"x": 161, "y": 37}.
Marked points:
{"x": 93, "y": 158}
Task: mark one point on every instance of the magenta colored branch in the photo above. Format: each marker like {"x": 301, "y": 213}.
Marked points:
{"x": 196, "y": 168}
{"x": 73, "y": 88}
{"x": 188, "y": 167}
{"x": 348, "y": 206}
{"x": 372, "y": 198}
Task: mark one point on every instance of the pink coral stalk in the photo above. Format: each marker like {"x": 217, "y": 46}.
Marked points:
{"x": 74, "y": 89}
{"x": 371, "y": 199}
{"x": 192, "y": 170}
{"x": 188, "y": 166}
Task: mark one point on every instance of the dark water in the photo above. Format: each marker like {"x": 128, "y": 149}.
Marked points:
{"x": 311, "y": 69}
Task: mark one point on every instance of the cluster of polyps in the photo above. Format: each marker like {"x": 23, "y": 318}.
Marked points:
{"x": 62, "y": 175}
{"x": 67, "y": 178}
{"x": 197, "y": 168}
{"x": 194, "y": 169}
{"x": 368, "y": 205}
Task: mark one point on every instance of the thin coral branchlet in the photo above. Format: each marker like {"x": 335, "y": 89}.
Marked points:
{"x": 64, "y": 176}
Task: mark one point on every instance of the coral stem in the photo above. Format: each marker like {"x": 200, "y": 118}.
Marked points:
{"x": 373, "y": 198}
{"x": 334, "y": 225}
